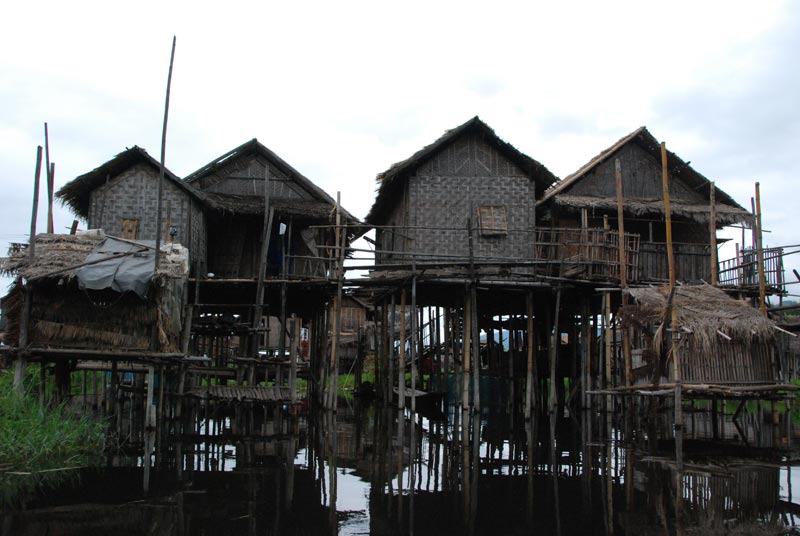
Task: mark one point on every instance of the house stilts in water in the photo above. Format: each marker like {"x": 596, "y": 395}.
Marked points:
{"x": 514, "y": 276}
{"x": 490, "y": 278}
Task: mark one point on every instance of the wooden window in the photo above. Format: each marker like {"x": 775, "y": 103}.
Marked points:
{"x": 493, "y": 220}
{"x": 130, "y": 229}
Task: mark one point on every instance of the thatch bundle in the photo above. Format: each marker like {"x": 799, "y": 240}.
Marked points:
{"x": 703, "y": 311}
{"x": 59, "y": 256}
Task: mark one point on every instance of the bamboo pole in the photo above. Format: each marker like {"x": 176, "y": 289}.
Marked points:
{"x": 401, "y": 364}
{"x": 415, "y": 352}
{"x": 467, "y": 351}
{"x": 266, "y": 233}
{"x": 554, "y": 345}
{"x": 295, "y": 340}
{"x": 50, "y": 170}
{"x": 476, "y": 347}
{"x": 712, "y": 227}
{"x": 21, "y": 362}
{"x": 340, "y": 249}
{"x": 389, "y": 380}
{"x": 162, "y": 167}
{"x": 762, "y": 279}
{"x": 676, "y": 365}
{"x": 607, "y": 341}
{"x": 623, "y": 271}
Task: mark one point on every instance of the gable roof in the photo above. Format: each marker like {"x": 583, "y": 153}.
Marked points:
{"x": 76, "y": 194}
{"x": 677, "y": 167}
{"x": 402, "y": 170}
{"x": 247, "y": 205}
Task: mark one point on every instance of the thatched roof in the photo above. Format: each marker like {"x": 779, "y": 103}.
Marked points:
{"x": 395, "y": 175}
{"x": 60, "y": 256}
{"x": 726, "y": 214}
{"x": 704, "y": 311}
{"x": 728, "y": 211}
{"x": 245, "y": 204}
{"x": 76, "y": 194}
{"x": 254, "y": 205}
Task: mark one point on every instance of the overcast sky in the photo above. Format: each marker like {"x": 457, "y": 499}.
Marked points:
{"x": 341, "y": 90}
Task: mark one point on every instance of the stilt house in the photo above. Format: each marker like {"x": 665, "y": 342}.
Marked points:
{"x": 467, "y": 196}
{"x": 582, "y": 213}
{"x": 233, "y": 186}
{"x": 121, "y": 197}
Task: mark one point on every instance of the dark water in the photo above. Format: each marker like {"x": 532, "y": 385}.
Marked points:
{"x": 374, "y": 470}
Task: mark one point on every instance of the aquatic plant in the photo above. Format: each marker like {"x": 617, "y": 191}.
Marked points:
{"x": 41, "y": 445}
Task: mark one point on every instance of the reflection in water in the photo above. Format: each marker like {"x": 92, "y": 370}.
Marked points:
{"x": 246, "y": 469}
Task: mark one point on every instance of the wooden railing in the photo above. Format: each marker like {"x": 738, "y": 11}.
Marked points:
{"x": 588, "y": 253}
{"x": 742, "y": 271}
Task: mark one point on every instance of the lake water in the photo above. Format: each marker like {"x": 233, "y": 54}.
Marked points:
{"x": 373, "y": 470}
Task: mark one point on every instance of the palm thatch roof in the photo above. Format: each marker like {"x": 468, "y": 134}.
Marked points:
{"x": 389, "y": 180}
{"x": 254, "y": 205}
{"x": 251, "y": 205}
{"x": 76, "y": 194}
{"x": 703, "y": 311}
{"x": 728, "y": 211}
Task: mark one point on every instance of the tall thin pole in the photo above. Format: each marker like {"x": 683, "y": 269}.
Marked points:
{"x": 762, "y": 280}
{"x": 163, "y": 156}
{"x": 668, "y": 214}
{"x": 712, "y": 229}
{"x": 531, "y": 354}
{"x": 623, "y": 272}
{"x": 676, "y": 365}
{"x": 22, "y": 362}
{"x": 50, "y": 180}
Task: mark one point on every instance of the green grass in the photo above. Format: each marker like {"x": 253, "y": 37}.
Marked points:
{"x": 39, "y": 446}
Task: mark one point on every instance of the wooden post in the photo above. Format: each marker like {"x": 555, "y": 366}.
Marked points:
{"x": 388, "y": 386}
{"x": 607, "y": 341}
{"x": 415, "y": 353}
{"x": 401, "y": 364}
{"x": 531, "y": 354}
{"x": 295, "y": 340}
{"x": 712, "y": 228}
{"x": 50, "y": 169}
{"x": 162, "y": 167}
{"x": 21, "y": 362}
{"x": 266, "y": 233}
{"x": 554, "y": 345}
{"x": 676, "y": 365}
{"x": 337, "y": 313}
{"x": 623, "y": 272}
{"x": 476, "y": 348}
{"x": 467, "y": 351}
{"x": 667, "y": 214}
{"x": 762, "y": 278}
{"x": 149, "y": 428}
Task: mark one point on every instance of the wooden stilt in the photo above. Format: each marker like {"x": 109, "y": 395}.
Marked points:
{"x": 623, "y": 270}
{"x": 467, "y": 352}
{"x": 21, "y": 362}
{"x": 531, "y": 343}
{"x": 295, "y": 340}
{"x": 674, "y": 318}
{"x": 415, "y": 353}
{"x": 555, "y": 342}
{"x": 401, "y": 366}
{"x": 476, "y": 355}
